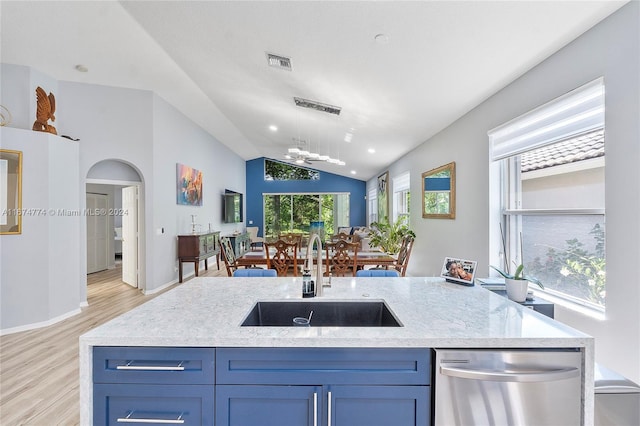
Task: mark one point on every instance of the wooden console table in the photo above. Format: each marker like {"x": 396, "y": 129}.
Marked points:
{"x": 197, "y": 247}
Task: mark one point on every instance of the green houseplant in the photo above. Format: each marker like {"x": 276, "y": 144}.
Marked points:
{"x": 517, "y": 283}
{"x": 388, "y": 236}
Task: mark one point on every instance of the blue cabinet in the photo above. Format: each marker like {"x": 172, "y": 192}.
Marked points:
{"x": 322, "y": 386}
{"x": 248, "y": 405}
{"x": 379, "y": 405}
{"x": 154, "y": 385}
{"x": 262, "y": 386}
{"x": 239, "y": 405}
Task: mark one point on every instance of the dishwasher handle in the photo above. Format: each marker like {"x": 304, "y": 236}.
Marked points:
{"x": 507, "y": 376}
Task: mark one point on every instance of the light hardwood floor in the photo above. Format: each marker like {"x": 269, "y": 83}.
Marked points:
{"x": 39, "y": 368}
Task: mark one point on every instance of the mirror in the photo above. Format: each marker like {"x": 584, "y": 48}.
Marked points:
{"x": 439, "y": 192}
{"x": 10, "y": 192}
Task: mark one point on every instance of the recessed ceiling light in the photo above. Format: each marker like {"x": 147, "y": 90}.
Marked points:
{"x": 82, "y": 68}
{"x": 371, "y": 150}
{"x": 273, "y": 128}
{"x": 381, "y": 38}
{"x": 353, "y": 172}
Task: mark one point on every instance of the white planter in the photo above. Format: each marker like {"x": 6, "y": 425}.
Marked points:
{"x": 517, "y": 289}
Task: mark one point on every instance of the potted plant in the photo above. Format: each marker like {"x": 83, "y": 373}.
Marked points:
{"x": 388, "y": 236}
{"x": 516, "y": 284}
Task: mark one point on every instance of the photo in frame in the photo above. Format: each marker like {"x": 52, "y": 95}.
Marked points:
{"x": 383, "y": 196}
{"x": 10, "y": 192}
{"x": 459, "y": 271}
{"x": 188, "y": 185}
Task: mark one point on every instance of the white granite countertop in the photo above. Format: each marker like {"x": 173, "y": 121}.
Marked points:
{"x": 208, "y": 311}
{"x": 434, "y": 313}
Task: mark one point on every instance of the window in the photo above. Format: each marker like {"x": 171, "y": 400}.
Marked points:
{"x": 275, "y": 170}
{"x": 372, "y": 200}
{"x": 550, "y": 168}
{"x": 401, "y": 196}
{"x": 295, "y": 212}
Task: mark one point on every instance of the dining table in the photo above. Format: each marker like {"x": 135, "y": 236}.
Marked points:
{"x": 363, "y": 258}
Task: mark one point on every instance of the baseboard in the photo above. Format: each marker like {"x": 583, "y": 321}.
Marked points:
{"x": 167, "y": 285}
{"x": 41, "y": 324}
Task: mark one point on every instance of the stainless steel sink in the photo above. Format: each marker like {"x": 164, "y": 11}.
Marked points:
{"x": 325, "y": 314}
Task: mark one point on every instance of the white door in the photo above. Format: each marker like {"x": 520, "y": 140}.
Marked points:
{"x": 97, "y": 233}
{"x": 130, "y": 235}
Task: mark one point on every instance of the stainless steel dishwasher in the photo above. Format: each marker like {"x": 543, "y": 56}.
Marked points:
{"x": 508, "y": 387}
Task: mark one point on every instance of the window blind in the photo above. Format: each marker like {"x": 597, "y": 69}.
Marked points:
{"x": 373, "y": 193}
{"x": 401, "y": 182}
{"x": 572, "y": 114}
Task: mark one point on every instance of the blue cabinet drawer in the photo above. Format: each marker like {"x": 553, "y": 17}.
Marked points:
{"x": 116, "y": 404}
{"x": 290, "y": 366}
{"x": 157, "y": 365}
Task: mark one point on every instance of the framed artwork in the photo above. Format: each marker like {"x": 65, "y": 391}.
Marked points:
{"x": 459, "y": 271}
{"x": 188, "y": 185}
{"x": 10, "y": 192}
{"x": 439, "y": 192}
{"x": 383, "y": 197}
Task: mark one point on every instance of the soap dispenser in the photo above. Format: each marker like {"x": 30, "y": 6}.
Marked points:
{"x": 308, "y": 289}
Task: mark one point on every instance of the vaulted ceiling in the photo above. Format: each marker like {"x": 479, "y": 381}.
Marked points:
{"x": 399, "y": 71}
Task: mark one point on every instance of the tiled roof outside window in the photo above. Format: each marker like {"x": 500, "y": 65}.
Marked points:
{"x": 589, "y": 145}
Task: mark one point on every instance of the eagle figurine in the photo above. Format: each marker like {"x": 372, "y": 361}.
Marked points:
{"x": 45, "y": 112}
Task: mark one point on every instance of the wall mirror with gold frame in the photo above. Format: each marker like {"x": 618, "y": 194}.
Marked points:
{"x": 10, "y": 192}
{"x": 439, "y": 192}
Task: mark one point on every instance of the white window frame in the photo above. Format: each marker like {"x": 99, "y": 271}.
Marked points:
{"x": 372, "y": 201}
{"x": 401, "y": 191}
{"x": 577, "y": 112}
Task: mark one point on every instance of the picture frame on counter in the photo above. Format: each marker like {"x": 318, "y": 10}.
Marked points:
{"x": 459, "y": 271}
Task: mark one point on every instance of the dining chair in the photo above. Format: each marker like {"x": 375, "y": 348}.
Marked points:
{"x": 284, "y": 257}
{"x": 342, "y": 236}
{"x": 255, "y": 272}
{"x": 342, "y": 257}
{"x": 228, "y": 256}
{"x": 253, "y": 235}
{"x": 404, "y": 254}
{"x": 377, "y": 273}
{"x": 292, "y": 237}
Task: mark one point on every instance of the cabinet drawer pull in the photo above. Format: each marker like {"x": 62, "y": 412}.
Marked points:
{"x": 128, "y": 366}
{"x": 130, "y": 419}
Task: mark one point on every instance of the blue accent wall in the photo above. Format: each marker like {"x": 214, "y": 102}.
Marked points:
{"x": 328, "y": 182}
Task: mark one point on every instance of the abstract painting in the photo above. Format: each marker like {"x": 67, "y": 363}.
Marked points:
{"x": 188, "y": 185}
{"x": 383, "y": 197}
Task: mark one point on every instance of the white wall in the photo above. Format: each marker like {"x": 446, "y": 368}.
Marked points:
{"x": 134, "y": 127}
{"x": 112, "y": 124}
{"x": 144, "y": 131}
{"x": 610, "y": 49}
{"x": 177, "y": 140}
{"x": 39, "y": 280}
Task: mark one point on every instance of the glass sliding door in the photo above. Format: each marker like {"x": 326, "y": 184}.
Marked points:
{"x": 295, "y": 212}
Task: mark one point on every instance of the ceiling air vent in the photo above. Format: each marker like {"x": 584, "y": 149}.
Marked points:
{"x": 278, "y": 61}
{"x": 318, "y": 106}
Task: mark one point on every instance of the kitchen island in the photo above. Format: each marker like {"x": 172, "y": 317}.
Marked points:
{"x": 208, "y": 312}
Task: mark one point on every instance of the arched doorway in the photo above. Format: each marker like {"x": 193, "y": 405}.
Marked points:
{"x": 115, "y": 219}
